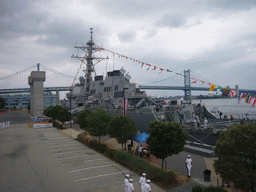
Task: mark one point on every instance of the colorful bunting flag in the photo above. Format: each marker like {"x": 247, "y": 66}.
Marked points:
{"x": 218, "y": 90}
{"x": 246, "y": 99}
{"x": 232, "y": 93}
{"x": 155, "y": 67}
{"x": 212, "y": 87}
{"x": 250, "y": 99}
{"x": 161, "y": 70}
{"x": 225, "y": 91}
{"x": 240, "y": 97}
{"x": 254, "y": 102}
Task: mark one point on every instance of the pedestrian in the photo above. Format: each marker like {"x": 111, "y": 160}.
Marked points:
{"x": 189, "y": 165}
{"x": 126, "y": 182}
{"x": 195, "y": 123}
{"x": 130, "y": 186}
{"x": 205, "y": 123}
{"x": 147, "y": 186}
{"x": 140, "y": 150}
{"x": 198, "y": 123}
{"x": 142, "y": 182}
{"x": 220, "y": 114}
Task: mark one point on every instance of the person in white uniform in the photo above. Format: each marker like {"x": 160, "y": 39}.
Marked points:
{"x": 130, "y": 186}
{"x": 205, "y": 123}
{"x": 126, "y": 182}
{"x": 147, "y": 186}
{"x": 189, "y": 165}
{"x": 142, "y": 181}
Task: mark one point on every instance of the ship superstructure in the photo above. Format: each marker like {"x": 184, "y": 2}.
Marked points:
{"x": 100, "y": 90}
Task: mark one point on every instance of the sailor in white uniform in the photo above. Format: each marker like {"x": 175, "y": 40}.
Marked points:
{"x": 147, "y": 186}
{"x": 142, "y": 181}
{"x": 130, "y": 186}
{"x": 205, "y": 123}
{"x": 126, "y": 182}
{"x": 189, "y": 165}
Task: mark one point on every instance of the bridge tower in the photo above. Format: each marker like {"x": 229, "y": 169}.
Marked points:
{"x": 88, "y": 61}
{"x": 187, "y": 85}
{"x": 35, "y": 80}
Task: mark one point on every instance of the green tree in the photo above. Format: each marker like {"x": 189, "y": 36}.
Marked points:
{"x": 98, "y": 122}
{"x": 53, "y": 111}
{"x": 81, "y": 119}
{"x": 165, "y": 139}
{"x": 122, "y": 128}
{"x": 2, "y": 103}
{"x": 64, "y": 115}
{"x": 48, "y": 111}
{"x": 236, "y": 153}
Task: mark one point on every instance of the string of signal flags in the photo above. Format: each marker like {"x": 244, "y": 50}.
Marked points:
{"x": 224, "y": 91}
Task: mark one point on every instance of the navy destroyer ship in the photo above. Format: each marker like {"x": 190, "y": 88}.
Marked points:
{"x": 111, "y": 92}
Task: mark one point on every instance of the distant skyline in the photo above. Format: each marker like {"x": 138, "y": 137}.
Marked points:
{"x": 216, "y": 40}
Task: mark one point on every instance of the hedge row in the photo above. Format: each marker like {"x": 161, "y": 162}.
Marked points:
{"x": 132, "y": 162}
{"x": 199, "y": 188}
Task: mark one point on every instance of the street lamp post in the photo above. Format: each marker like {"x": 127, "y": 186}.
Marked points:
{"x": 70, "y": 109}
{"x": 124, "y": 113}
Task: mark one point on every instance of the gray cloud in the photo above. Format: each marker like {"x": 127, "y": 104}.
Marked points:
{"x": 26, "y": 19}
{"x": 170, "y": 20}
{"x": 18, "y": 19}
{"x": 127, "y": 36}
{"x": 232, "y": 4}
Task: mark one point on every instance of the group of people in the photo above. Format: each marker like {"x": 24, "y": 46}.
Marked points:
{"x": 197, "y": 123}
{"x": 4, "y": 124}
{"x": 144, "y": 184}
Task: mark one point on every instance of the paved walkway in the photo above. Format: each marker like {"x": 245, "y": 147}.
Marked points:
{"x": 176, "y": 162}
{"x": 46, "y": 159}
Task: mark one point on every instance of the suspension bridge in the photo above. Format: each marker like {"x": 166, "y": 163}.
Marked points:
{"x": 18, "y": 83}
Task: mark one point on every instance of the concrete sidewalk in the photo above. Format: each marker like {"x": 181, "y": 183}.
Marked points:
{"x": 176, "y": 164}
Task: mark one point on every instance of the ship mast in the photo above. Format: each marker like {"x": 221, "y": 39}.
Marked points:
{"x": 88, "y": 61}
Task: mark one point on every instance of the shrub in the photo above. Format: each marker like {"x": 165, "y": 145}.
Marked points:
{"x": 59, "y": 126}
{"x": 102, "y": 147}
{"x": 93, "y": 144}
{"x": 213, "y": 189}
{"x": 197, "y": 188}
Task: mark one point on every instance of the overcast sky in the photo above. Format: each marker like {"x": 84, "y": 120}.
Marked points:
{"x": 215, "y": 39}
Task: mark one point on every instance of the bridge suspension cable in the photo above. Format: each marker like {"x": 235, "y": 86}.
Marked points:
{"x": 161, "y": 80}
{"x": 18, "y": 72}
{"x": 57, "y": 72}
{"x": 195, "y": 74}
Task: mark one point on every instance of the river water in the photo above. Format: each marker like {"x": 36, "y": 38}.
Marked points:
{"x": 229, "y": 107}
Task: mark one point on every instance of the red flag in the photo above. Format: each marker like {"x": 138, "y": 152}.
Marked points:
{"x": 254, "y": 102}
{"x": 232, "y": 93}
{"x": 194, "y": 81}
{"x": 161, "y": 70}
{"x": 250, "y": 99}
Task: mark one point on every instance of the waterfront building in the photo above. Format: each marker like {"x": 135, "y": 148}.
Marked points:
{"x": 22, "y": 101}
